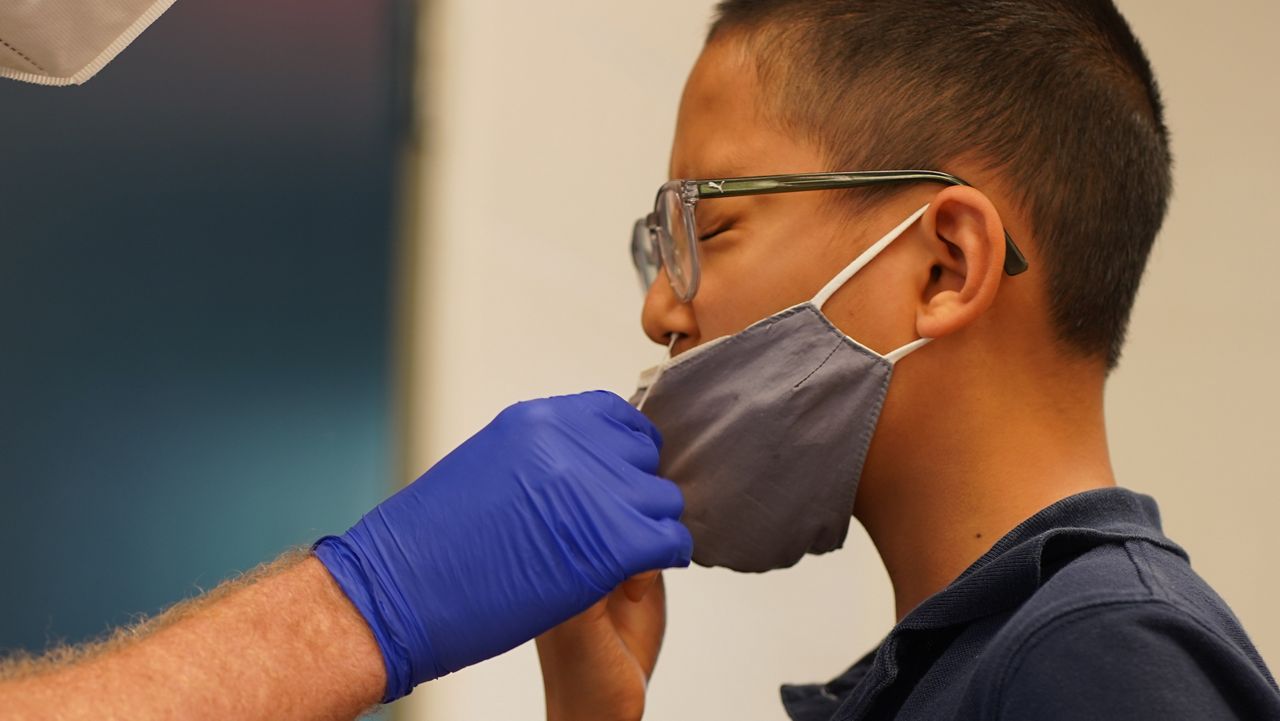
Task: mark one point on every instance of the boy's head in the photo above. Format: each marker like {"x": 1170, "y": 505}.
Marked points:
{"x": 1047, "y": 107}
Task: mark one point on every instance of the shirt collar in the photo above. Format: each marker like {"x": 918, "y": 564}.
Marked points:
{"x": 1014, "y": 568}
{"x": 1001, "y": 580}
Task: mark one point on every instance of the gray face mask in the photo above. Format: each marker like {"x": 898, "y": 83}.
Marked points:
{"x": 766, "y": 431}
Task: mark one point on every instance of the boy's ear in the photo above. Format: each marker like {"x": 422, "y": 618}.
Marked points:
{"x": 966, "y": 246}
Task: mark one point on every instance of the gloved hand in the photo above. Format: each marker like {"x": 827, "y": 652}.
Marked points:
{"x": 526, "y": 524}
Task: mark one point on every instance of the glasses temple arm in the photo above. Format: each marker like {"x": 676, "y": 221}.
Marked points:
{"x": 1014, "y": 261}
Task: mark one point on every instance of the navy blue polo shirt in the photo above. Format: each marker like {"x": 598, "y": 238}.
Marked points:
{"x": 1084, "y": 611}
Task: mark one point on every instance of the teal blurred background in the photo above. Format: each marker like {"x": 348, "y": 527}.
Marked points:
{"x": 195, "y": 306}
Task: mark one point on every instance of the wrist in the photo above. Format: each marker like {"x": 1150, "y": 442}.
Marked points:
{"x": 574, "y": 692}
{"x": 574, "y": 712}
{"x": 348, "y": 634}
{"x": 351, "y": 576}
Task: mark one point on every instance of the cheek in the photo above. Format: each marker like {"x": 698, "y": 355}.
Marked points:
{"x": 868, "y": 312}
{"x": 749, "y": 279}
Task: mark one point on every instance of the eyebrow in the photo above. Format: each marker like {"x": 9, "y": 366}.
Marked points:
{"x": 731, "y": 164}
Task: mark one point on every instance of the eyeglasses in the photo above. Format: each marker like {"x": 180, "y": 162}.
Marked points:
{"x": 668, "y": 236}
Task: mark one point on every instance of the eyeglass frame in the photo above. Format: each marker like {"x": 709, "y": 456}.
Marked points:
{"x": 691, "y": 191}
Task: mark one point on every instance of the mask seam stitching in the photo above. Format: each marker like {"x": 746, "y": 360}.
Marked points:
{"x": 820, "y": 365}
{"x": 849, "y": 340}
{"x": 23, "y": 55}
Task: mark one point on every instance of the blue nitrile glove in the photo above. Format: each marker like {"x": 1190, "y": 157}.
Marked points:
{"x": 528, "y": 523}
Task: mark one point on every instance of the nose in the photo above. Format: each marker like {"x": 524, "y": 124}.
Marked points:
{"x": 664, "y": 314}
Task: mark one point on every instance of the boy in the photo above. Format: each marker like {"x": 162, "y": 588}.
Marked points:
{"x": 1027, "y": 585}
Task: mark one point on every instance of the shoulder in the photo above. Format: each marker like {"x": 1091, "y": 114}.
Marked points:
{"x": 1124, "y": 630}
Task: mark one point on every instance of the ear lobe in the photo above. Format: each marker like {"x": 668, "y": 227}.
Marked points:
{"x": 967, "y": 253}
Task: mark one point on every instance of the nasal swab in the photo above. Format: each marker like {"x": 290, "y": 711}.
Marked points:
{"x": 662, "y": 366}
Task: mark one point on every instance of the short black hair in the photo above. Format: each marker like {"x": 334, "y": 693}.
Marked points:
{"x": 1057, "y": 96}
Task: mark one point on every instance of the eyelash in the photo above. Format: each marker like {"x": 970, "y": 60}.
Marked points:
{"x": 708, "y": 236}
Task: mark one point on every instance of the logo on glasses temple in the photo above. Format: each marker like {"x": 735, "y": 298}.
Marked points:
{"x": 717, "y": 185}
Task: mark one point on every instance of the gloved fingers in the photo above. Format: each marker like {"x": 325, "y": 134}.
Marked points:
{"x": 633, "y": 447}
{"x": 596, "y": 425}
{"x": 668, "y": 545}
{"x": 613, "y": 406}
{"x": 655, "y": 497}
{"x": 683, "y": 541}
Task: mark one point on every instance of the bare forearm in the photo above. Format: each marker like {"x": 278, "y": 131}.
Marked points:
{"x": 288, "y": 645}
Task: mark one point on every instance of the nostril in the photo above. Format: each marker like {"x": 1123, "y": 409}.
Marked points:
{"x": 664, "y": 315}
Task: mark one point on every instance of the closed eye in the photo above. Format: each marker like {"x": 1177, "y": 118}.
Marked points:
{"x": 708, "y": 236}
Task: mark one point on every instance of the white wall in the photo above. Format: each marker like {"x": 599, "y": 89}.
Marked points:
{"x": 548, "y": 128}
{"x": 1192, "y": 411}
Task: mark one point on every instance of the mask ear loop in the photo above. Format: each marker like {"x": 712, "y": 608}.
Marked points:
{"x": 861, "y": 261}
{"x": 662, "y": 367}
{"x": 906, "y": 350}
{"x": 858, "y": 264}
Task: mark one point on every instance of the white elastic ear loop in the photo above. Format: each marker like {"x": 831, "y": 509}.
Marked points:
{"x": 666, "y": 361}
{"x": 906, "y": 350}
{"x": 867, "y": 256}
{"x": 858, "y": 264}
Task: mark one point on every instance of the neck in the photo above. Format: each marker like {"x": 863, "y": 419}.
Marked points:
{"x": 937, "y": 496}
